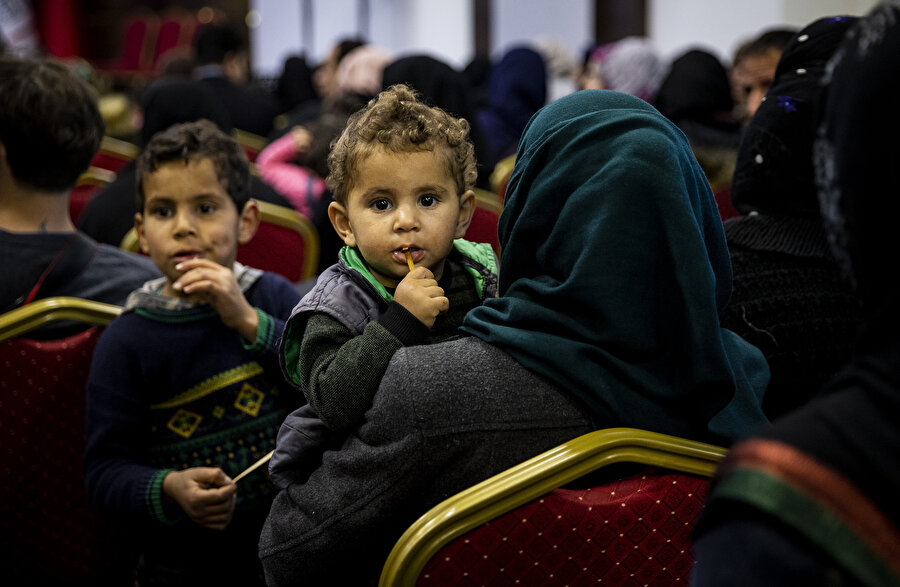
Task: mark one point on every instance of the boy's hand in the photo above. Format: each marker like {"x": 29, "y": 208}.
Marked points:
{"x": 209, "y": 282}
{"x": 206, "y": 495}
{"x": 420, "y": 293}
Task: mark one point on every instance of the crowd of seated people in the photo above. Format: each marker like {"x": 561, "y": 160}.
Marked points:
{"x": 679, "y": 251}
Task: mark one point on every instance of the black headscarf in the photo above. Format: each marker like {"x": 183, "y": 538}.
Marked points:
{"x": 174, "y": 100}
{"x": 295, "y": 85}
{"x": 774, "y": 170}
{"x": 858, "y": 173}
{"x": 696, "y": 95}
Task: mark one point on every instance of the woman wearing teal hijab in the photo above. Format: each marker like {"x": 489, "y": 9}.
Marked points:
{"x": 613, "y": 271}
{"x": 614, "y": 256}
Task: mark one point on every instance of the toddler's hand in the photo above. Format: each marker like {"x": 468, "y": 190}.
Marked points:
{"x": 420, "y": 293}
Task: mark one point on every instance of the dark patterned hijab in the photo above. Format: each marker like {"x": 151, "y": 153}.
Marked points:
{"x": 774, "y": 171}
{"x": 855, "y": 167}
{"x": 614, "y": 270}
{"x": 858, "y": 172}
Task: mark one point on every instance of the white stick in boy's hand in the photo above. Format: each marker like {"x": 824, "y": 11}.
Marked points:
{"x": 253, "y": 467}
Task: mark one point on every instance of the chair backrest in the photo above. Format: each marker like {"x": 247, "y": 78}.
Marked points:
{"x": 139, "y": 33}
{"x": 522, "y": 526}
{"x": 251, "y": 143}
{"x": 286, "y": 243}
{"x": 176, "y": 33}
{"x": 114, "y": 153}
{"x": 48, "y": 530}
{"x": 483, "y": 228}
{"x": 89, "y": 183}
{"x": 500, "y": 175}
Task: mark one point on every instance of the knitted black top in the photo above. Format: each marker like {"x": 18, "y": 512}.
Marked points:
{"x": 790, "y": 301}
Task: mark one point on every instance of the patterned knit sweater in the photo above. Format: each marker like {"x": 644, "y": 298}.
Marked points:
{"x": 171, "y": 387}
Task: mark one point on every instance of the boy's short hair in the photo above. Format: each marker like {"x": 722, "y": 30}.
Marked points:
{"x": 192, "y": 141}
{"x": 50, "y": 123}
{"x": 396, "y": 120}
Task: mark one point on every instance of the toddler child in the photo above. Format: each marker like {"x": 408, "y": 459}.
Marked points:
{"x": 185, "y": 390}
{"x": 401, "y": 175}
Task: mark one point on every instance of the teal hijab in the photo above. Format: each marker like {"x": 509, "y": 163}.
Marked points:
{"x": 614, "y": 270}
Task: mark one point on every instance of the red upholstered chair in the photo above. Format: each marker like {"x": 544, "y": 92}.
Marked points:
{"x": 723, "y": 202}
{"x": 176, "y": 34}
{"x": 90, "y": 182}
{"x": 286, "y": 243}
{"x": 483, "y": 228}
{"x": 49, "y": 533}
{"x": 524, "y": 526}
{"x": 138, "y": 44}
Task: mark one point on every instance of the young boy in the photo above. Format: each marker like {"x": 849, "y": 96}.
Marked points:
{"x": 401, "y": 175}
{"x": 185, "y": 390}
{"x": 50, "y": 129}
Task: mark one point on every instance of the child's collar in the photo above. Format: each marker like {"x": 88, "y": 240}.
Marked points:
{"x": 352, "y": 259}
{"x": 150, "y": 296}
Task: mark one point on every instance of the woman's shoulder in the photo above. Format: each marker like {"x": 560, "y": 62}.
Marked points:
{"x": 462, "y": 348}
{"x": 464, "y": 380}
{"x": 464, "y": 362}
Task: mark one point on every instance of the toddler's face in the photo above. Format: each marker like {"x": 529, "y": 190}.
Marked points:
{"x": 402, "y": 200}
{"x": 187, "y": 213}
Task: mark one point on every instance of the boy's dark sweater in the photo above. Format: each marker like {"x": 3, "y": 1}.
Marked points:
{"x": 173, "y": 389}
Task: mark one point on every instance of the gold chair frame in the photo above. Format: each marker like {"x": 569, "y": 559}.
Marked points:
{"x": 488, "y": 201}
{"x": 118, "y": 148}
{"x": 501, "y": 172}
{"x": 249, "y": 140}
{"x": 26, "y": 318}
{"x": 95, "y": 176}
{"x": 532, "y": 479}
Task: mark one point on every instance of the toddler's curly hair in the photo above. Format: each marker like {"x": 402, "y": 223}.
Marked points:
{"x": 397, "y": 120}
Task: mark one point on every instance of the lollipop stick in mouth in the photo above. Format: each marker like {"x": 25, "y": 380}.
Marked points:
{"x": 409, "y": 260}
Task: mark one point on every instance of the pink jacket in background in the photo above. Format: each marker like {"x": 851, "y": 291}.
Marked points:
{"x": 278, "y": 167}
